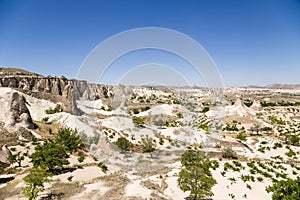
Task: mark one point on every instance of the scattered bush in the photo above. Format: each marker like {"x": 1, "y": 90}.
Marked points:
{"x": 160, "y": 123}
{"x": 241, "y": 136}
{"x": 81, "y": 159}
{"x": 138, "y": 121}
{"x": 285, "y": 189}
{"x": 205, "y": 109}
{"x": 54, "y": 110}
{"x": 70, "y": 178}
{"x": 103, "y": 167}
{"x": 45, "y": 119}
{"x": 135, "y": 111}
{"x": 229, "y": 153}
{"x": 123, "y": 143}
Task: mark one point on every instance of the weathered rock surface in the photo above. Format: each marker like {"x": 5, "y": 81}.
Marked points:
{"x": 4, "y": 154}
{"x": 18, "y": 114}
{"x": 53, "y": 88}
{"x": 103, "y": 149}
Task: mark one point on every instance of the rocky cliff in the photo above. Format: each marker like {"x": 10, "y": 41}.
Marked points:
{"x": 56, "y": 89}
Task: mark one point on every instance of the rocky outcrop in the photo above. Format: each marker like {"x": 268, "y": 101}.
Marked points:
{"x": 69, "y": 97}
{"x": 53, "y": 88}
{"x": 18, "y": 114}
{"x": 4, "y": 154}
{"x": 103, "y": 149}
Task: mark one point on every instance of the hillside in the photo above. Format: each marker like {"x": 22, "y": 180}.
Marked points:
{"x": 249, "y": 132}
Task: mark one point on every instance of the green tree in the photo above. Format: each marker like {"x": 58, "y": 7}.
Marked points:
{"x": 69, "y": 138}
{"x": 138, "y": 121}
{"x": 35, "y": 183}
{"x": 16, "y": 158}
{"x": 50, "y": 156}
{"x": 196, "y": 176}
{"x": 123, "y": 143}
{"x": 285, "y": 189}
{"x": 148, "y": 145}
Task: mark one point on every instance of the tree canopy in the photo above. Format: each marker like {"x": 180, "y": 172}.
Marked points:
{"x": 69, "y": 138}
{"x": 196, "y": 176}
{"x": 35, "y": 183}
{"x": 285, "y": 189}
{"x": 50, "y": 156}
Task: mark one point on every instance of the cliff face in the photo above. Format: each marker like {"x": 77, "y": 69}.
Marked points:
{"x": 54, "y": 88}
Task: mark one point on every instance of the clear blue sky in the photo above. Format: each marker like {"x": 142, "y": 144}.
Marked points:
{"x": 251, "y": 41}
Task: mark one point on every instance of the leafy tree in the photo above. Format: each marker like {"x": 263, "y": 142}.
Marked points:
{"x": 196, "y": 176}
{"x": 285, "y": 189}
{"x": 123, "y": 143}
{"x": 138, "y": 121}
{"x": 16, "y": 158}
{"x": 69, "y": 138}
{"x": 35, "y": 183}
{"x": 148, "y": 145}
{"x": 50, "y": 156}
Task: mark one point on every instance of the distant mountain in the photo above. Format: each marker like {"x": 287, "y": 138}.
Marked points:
{"x": 276, "y": 86}
{"x": 253, "y": 86}
{"x": 16, "y": 72}
{"x": 283, "y": 86}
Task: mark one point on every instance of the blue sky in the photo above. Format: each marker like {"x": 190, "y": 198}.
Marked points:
{"x": 251, "y": 41}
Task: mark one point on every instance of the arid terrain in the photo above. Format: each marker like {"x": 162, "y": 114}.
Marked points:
{"x": 252, "y": 132}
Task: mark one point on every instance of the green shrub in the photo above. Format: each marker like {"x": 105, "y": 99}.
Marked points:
{"x": 103, "y": 167}
{"x": 45, "y": 119}
{"x": 241, "y": 136}
{"x": 159, "y": 123}
{"x": 54, "y": 110}
{"x": 229, "y": 153}
{"x": 123, "y": 143}
{"x": 81, "y": 159}
{"x": 205, "y": 109}
{"x": 161, "y": 141}
{"x": 135, "y": 111}
{"x": 70, "y": 178}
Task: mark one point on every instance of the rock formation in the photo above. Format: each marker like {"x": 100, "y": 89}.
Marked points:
{"x": 53, "y": 88}
{"x": 18, "y": 114}
{"x": 69, "y": 97}
{"x": 4, "y": 154}
{"x": 103, "y": 149}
